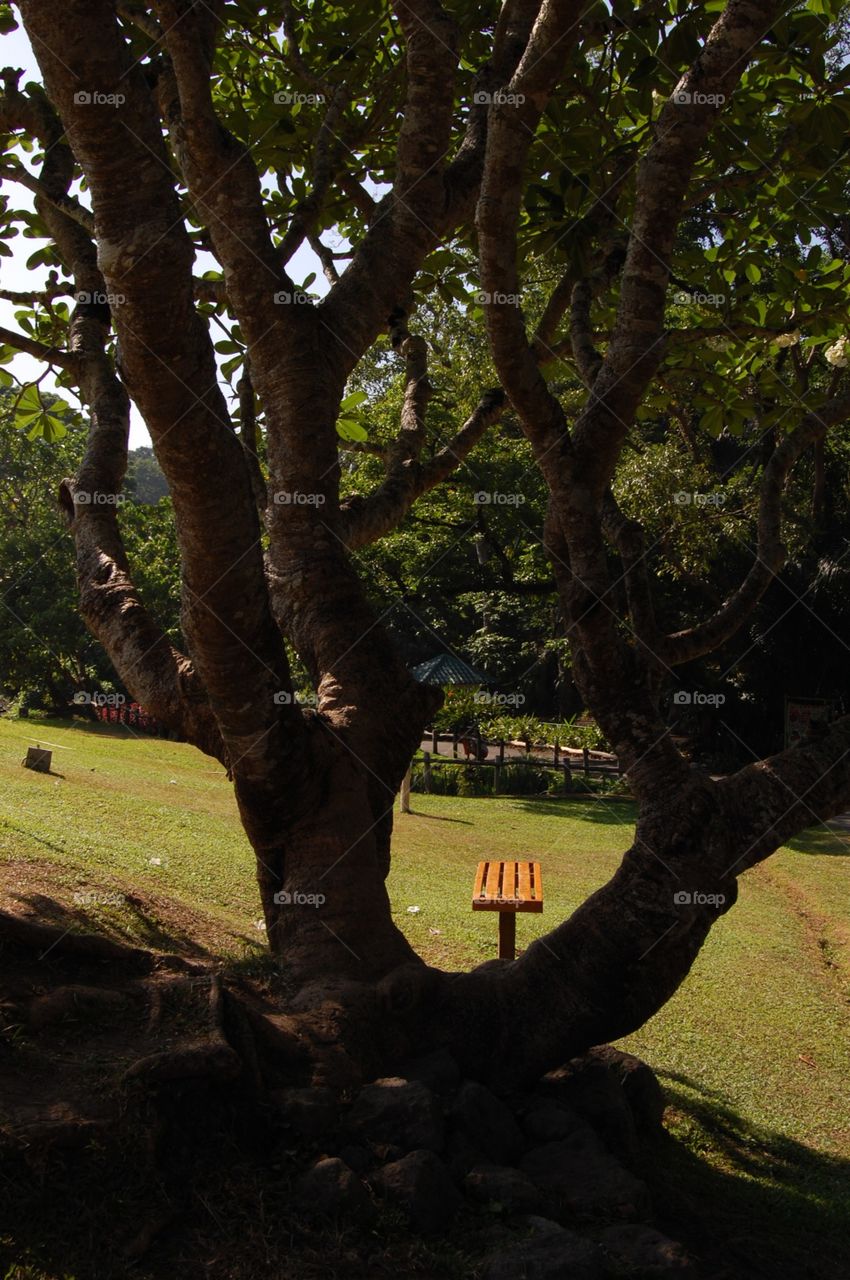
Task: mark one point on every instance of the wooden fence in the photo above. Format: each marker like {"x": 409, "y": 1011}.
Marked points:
{"x": 501, "y": 754}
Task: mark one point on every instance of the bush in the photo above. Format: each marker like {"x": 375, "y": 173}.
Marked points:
{"x": 523, "y": 780}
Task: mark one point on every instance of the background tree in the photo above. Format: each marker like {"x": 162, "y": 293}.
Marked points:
{"x": 642, "y": 155}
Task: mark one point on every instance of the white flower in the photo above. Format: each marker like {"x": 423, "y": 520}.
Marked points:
{"x": 838, "y": 354}
{"x": 788, "y": 339}
{"x": 413, "y": 911}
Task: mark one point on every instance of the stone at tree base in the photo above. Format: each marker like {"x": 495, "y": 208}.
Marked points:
{"x": 311, "y": 1113}
{"x": 547, "y": 1121}
{"x": 500, "y": 1184}
{"x": 403, "y": 1113}
{"x": 593, "y": 1089}
{"x": 331, "y": 1190}
{"x": 580, "y": 1179}
{"x": 461, "y": 1154}
{"x": 551, "y": 1255}
{"x": 642, "y": 1253}
{"x": 437, "y": 1070}
{"x": 489, "y": 1123}
{"x": 360, "y": 1159}
{"x": 421, "y": 1185}
{"x": 640, "y": 1085}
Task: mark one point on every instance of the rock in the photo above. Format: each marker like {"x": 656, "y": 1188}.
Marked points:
{"x": 360, "y": 1159}
{"x": 596, "y": 1094}
{"x": 437, "y": 1070}
{"x": 420, "y": 1184}
{"x": 488, "y": 1122}
{"x": 402, "y": 1112}
{"x": 579, "y": 1178}
{"x": 551, "y": 1255}
{"x": 461, "y": 1155}
{"x": 535, "y": 1223}
{"x": 331, "y": 1190}
{"x": 639, "y": 1083}
{"x": 312, "y": 1113}
{"x": 500, "y": 1185}
{"x": 643, "y": 1253}
{"x": 547, "y": 1121}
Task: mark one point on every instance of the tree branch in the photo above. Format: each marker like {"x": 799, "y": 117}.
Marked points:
{"x": 663, "y": 177}
{"x": 367, "y": 519}
{"x": 52, "y": 355}
{"x": 692, "y": 643}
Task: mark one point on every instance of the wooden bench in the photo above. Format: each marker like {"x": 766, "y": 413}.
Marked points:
{"x": 508, "y": 887}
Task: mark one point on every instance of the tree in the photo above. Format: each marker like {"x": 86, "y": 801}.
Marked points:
{"x": 678, "y": 170}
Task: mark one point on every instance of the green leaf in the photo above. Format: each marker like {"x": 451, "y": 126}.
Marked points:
{"x": 354, "y": 400}
{"x": 350, "y": 429}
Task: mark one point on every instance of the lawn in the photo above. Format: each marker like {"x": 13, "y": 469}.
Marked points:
{"x": 754, "y": 1048}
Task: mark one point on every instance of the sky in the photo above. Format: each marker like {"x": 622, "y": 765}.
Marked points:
{"x": 16, "y": 52}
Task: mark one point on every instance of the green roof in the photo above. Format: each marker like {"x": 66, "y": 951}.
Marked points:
{"x": 447, "y": 669}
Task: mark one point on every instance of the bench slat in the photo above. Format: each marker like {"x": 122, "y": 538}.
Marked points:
{"x": 508, "y": 886}
{"x": 494, "y": 879}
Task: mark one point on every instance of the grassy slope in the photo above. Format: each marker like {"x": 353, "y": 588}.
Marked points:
{"x": 754, "y": 1046}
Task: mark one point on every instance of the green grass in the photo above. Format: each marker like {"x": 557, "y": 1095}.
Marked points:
{"x": 754, "y": 1046}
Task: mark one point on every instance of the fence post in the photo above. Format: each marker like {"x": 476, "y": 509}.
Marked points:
{"x": 454, "y": 746}
{"x": 557, "y": 753}
{"x": 404, "y": 797}
{"x": 586, "y": 754}
{"x": 426, "y": 772}
{"x": 501, "y": 751}
{"x": 435, "y": 742}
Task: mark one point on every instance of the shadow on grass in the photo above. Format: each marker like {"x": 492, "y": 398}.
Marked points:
{"x": 751, "y": 1202}
{"x": 122, "y": 917}
{"x": 438, "y": 817}
{"x": 831, "y": 841}
{"x": 611, "y": 811}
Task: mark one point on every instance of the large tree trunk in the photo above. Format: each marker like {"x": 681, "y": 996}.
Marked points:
{"x": 315, "y": 789}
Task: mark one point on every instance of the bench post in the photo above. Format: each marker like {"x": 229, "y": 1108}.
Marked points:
{"x": 507, "y": 935}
